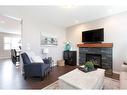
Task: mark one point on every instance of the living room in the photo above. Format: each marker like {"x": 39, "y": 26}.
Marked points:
{"x": 65, "y": 25}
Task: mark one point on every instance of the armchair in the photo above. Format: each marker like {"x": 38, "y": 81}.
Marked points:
{"x": 34, "y": 69}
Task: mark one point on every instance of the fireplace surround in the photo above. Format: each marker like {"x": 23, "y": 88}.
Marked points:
{"x": 105, "y": 53}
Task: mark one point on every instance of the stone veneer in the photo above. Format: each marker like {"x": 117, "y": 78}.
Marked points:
{"x": 106, "y": 54}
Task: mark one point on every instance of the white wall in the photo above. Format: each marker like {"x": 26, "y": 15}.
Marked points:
{"x": 115, "y": 31}
{"x": 31, "y": 35}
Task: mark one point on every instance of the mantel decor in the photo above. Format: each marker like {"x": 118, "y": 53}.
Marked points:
{"x": 68, "y": 46}
{"x": 87, "y": 67}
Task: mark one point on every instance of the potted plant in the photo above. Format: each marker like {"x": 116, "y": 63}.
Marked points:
{"x": 89, "y": 65}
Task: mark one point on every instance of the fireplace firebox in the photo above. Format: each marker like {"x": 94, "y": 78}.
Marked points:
{"x": 96, "y": 58}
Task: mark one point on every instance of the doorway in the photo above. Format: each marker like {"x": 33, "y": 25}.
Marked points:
{"x": 10, "y": 37}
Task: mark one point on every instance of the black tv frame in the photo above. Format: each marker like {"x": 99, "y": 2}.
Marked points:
{"x": 101, "y": 30}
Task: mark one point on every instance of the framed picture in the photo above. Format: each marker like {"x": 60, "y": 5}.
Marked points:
{"x": 48, "y": 40}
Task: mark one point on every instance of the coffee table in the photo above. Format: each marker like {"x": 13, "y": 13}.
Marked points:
{"x": 77, "y": 79}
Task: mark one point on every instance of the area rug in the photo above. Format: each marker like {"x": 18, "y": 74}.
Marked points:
{"x": 109, "y": 83}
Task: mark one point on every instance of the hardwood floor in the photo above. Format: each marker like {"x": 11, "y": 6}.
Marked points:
{"x": 11, "y": 78}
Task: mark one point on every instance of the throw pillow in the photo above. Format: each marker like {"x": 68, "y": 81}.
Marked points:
{"x": 46, "y": 61}
{"x": 37, "y": 59}
{"x": 34, "y": 58}
{"x": 31, "y": 55}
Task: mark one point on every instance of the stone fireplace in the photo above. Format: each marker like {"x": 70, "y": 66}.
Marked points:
{"x": 100, "y": 53}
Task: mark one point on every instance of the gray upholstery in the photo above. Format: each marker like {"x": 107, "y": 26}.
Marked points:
{"x": 34, "y": 69}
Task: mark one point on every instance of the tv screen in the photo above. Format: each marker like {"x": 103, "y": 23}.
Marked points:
{"x": 96, "y": 35}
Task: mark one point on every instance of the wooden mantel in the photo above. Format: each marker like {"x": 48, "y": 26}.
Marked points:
{"x": 108, "y": 45}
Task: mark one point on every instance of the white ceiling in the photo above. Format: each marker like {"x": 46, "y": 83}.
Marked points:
{"x": 9, "y": 25}
{"x": 62, "y": 16}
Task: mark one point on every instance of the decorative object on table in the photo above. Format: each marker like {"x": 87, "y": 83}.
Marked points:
{"x": 67, "y": 46}
{"x": 45, "y": 51}
{"x": 48, "y": 40}
{"x": 86, "y": 70}
{"x": 88, "y": 66}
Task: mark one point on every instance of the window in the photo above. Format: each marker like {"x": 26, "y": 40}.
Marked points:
{"x": 7, "y": 43}
{"x": 11, "y": 43}
{"x": 15, "y": 43}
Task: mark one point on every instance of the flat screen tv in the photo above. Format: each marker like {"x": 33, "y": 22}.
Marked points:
{"x": 93, "y": 36}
